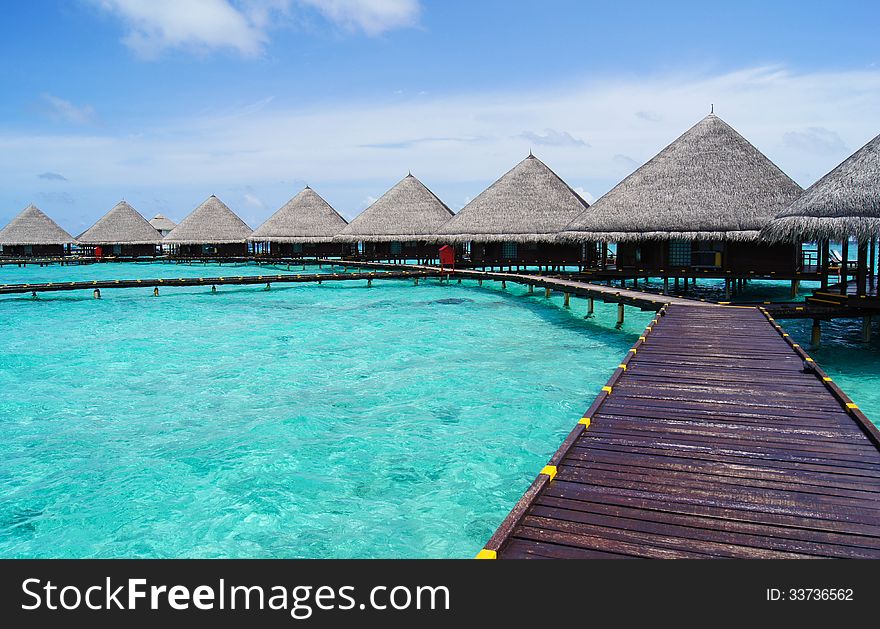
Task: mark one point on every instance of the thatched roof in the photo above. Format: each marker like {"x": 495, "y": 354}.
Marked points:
{"x": 212, "y": 223}
{"x": 121, "y": 226}
{"x": 305, "y": 218}
{"x": 710, "y": 183}
{"x": 32, "y": 227}
{"x": 408, "y": 211}
{"x": 529, "y": 203}
{"x": 843, "y": 203}
{"x": 161, "y": 223}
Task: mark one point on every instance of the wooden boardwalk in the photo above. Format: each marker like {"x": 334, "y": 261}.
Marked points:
{"x": 717, "y": 437}
{"x": 286, "y": 278}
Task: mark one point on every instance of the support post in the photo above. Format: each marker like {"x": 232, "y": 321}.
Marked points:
{"x": 726, "y": 289}
{"x": 795, "y": 285}
{"x": 213, "y": 288}
{"x": 416, "y": 282}
{"x": 590, "y": 306}
{"x": 547, "y": 293}
{"x": 97, "y": 293}
{"x": 816, "y": 333}
{"x": 619, "y": 315}
{"x": 873, "y": 246}
{"x": 480, "y": 282}
{"x": 844, "y": 264}
{"x": 675, "y": 285}
{"x": 567, "y": 299}
{"x": 503, "y": 284}
{"x": 666, "y": 285}
{"x": 862, "y": 269}
{"x": 369, "y": 282}
{"x": 823, "y": 263}
{"x": 866, "y": 329}
{"x": 155, "y": 291}
{"x": 531, "y": 288}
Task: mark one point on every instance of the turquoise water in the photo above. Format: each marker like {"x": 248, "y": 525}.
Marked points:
{"x": 853, "y": 364}
{"x": 305, "y": 421}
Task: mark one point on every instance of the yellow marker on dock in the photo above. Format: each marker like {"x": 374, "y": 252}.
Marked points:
{"x": 852, "y": 406}
{"x": 486, "y": 554}
{"x": 826, "y": 379}
{"x": 549, "y": 470}
{"x": 585, "y": 422}
{"x": 621, "y": 366}
{"x": 606, "y": 389}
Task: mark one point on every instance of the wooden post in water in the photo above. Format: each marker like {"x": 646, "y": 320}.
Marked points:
{"x": 873, "y": 246}
{"x": 213, "y": 288}
{"x": 480, "y": 282}
{"x": 816, "y": 333}
{"x": 589, "y": 306}
{"x": 675, "y": 285}
{"x": 795, "y": 284}
{"x": 415, "y": 281}
{"x": 866, "y": 329}
{"x": 531, "y": 288}
{"x": 567, "y": 299}
{"x": 97, "y": 293}
{"x": 844, "y": 264}
{"x": 155, "y": 291}
{"x": 619, "y": 315}
{"x": 546, "y": 293}
{"x": 727, "y": 289}
{"x": 503, "y": 284}
{"x": 369, "y": 282}
{"x": 666, "y": 285}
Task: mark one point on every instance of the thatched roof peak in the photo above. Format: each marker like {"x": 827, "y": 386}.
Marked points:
{"x": 844, "y": 203}
{"x": 408, "y": 211}
{"x": 528, "y": 203}
{"x": 122, "y": 225}
{"x": 212, "y": 223}
{"x": 307, "y": 217}
{"x": 710, "y": 183}
{"x": 32, "y": 227}
{"x": 161, "y": 223}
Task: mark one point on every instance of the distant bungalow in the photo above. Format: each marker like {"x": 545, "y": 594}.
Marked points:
{"x": 304, "y": 226}
{"x": 400, "y": 224}
{"x": 121, "y": 232}
{"x": 696, "y": 207}
{"x": 843, "y": 204}
{"x": 212, "y": 229}
{"x": 33, "y": 234}
{"x": 516, "y": 220}
{"x": 162, "y": 224}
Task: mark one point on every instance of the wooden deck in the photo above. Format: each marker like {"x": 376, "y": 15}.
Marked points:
{"x": 287, "y": 278}
{"x": 710, "y": 440}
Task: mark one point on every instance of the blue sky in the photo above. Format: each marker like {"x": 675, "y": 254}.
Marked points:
{"x": 164, "y": 102}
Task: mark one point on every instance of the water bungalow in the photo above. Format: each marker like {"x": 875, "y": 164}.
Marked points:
{"x": 162, "y": 224}
{"x": 400, "y": 224}
{"x": 212, "y": 229}
{"x": 304, "y": 226}
{"x": 121, "y": 232}
{"x": 843, "y": 205}
{"x": 515, "y": 221}
{"x": 33, "y": 234}
{"x": 696, "y": 209}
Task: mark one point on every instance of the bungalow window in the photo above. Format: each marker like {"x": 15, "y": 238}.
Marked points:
{"x": 508, "y": 250}
{"x": 396, "y": 248}
{"x": 679, "y": 253}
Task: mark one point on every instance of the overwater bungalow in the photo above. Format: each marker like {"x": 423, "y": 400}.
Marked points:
{"x": 843, "y": 205}
{"x": 212, "y": 229}
{"x": 401, "y": 225}
{"x": 696, "y": 210}
{"x": 121, "y": 232}
{"x": 162, "y": 224}
{"x": 304, "y": 226}
{"x": 515, "y": 221}
{"x": 33, "y": 234}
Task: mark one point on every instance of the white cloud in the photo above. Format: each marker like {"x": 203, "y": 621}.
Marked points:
{"x": 152, "y": 26}
{"x": 586, "y": 196}
{"x": 815, "y": 140}
{"x": 336, "y": 145}
{"x": 65, "y": 111}
{"x": 373, "y": 17}
{"x": 552, "y": 137}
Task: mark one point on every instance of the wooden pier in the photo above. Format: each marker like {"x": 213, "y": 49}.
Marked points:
{"x": 716, "y": 437}
{"x": 288, "y": 278}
